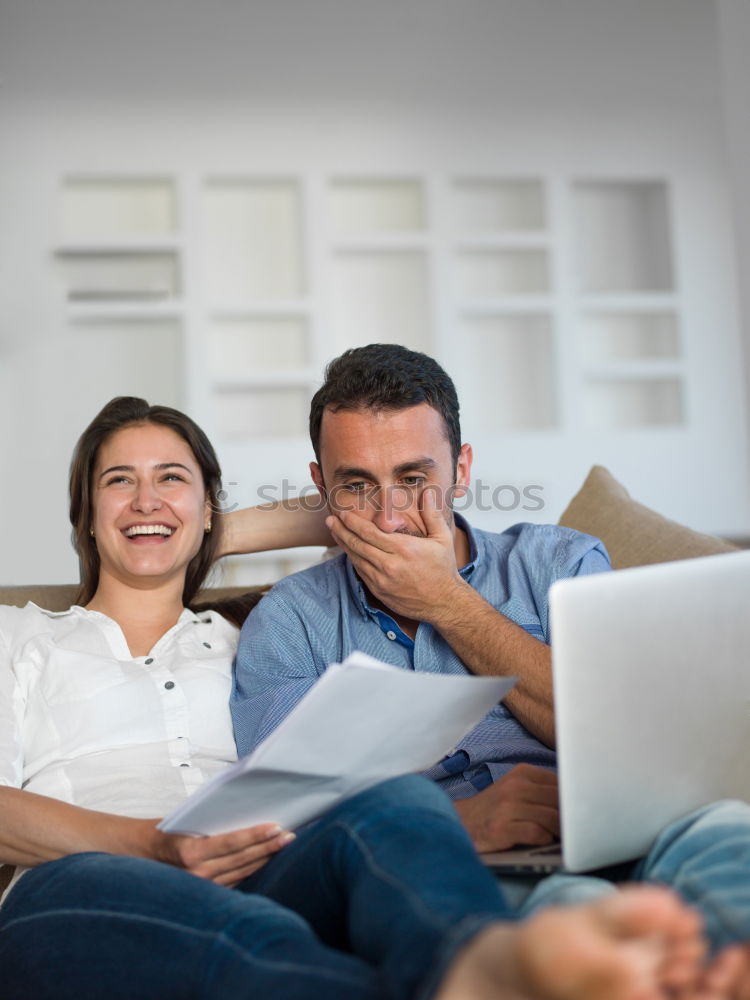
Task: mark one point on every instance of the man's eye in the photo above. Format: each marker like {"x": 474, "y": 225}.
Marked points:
{"x": 413, "y": 481}
{"x": 359, "y": 487}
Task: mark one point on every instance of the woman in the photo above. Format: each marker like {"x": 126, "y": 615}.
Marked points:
{"x": 113, "y": 712}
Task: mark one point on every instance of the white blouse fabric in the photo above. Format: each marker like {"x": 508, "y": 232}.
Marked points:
{"x": 84, "y": 721}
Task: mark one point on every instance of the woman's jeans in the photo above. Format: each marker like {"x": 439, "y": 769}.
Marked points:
{"x": 371, "y": 902}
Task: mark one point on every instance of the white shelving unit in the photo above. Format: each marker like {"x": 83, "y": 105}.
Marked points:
{"x": 277, "y": 273}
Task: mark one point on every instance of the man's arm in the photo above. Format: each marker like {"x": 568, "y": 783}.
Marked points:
{"x": 274, "y": 667}
{"x": 489, "y": 643}
{"x": 417, "y": 577}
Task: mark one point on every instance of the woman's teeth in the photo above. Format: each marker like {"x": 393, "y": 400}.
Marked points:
{"x": 148, "y": 529}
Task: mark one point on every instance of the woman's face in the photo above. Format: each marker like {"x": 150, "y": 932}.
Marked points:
{"x": 150, "y": 509}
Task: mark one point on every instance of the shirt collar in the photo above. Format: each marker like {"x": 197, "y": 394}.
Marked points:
{"x": 359, "y": 593}
{"x": 77, "y": 609}
{"x": 467, "y": 570}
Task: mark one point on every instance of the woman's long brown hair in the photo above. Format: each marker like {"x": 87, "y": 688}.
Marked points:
{"x": 129, "y": 411}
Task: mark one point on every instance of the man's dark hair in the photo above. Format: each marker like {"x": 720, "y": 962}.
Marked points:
{"x": 386, "y": 377}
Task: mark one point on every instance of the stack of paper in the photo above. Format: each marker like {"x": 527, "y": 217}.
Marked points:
{"x": 363, "y": 722}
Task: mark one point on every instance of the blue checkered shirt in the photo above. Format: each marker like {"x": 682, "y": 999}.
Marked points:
{"x": 317, "y": 617}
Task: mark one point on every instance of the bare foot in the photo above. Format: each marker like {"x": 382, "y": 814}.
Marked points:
{"x": 638, "y": 944}
{"x": 728, "y": 975}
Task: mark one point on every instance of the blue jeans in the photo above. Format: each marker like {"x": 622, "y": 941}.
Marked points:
{"x": 705, "y": 856}
{"x": 371, "y": 902}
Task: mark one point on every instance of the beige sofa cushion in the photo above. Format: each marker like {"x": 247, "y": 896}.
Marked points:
{"x": 634, "y": 534}
{"x": 59, "y": 597}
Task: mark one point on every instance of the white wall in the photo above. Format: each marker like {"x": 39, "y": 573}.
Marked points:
{"x": 734, "y": 37}
{"x": 325, "y": 84}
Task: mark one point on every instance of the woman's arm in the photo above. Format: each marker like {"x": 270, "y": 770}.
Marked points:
{"x": 35, "y": 829}
{"x": 282, "y": 524}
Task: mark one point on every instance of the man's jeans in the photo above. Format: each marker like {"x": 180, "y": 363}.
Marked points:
{"x": 705, "y": 856}
{"x": 371, "y": 902}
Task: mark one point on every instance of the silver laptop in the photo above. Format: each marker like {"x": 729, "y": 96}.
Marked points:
{"x": 651, "y": 670}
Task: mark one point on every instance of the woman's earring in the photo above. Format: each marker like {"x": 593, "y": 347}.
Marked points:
{"x": 208, "y": 527}
{"x": 91, "y": 532}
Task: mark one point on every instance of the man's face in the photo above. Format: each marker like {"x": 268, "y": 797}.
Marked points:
{"x": 378, "y": 463}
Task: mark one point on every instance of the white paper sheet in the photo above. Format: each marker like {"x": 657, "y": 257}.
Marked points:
{"x": 362, "y": 722}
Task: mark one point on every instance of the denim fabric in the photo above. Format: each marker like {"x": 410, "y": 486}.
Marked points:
{"x": 369, "y": 903}
{"x": 704, "y": 856}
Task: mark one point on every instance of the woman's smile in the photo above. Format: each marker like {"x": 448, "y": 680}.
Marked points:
{"x": 150, "y": 510}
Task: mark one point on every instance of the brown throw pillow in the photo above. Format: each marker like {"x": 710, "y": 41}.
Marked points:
{"x": 634, "y": 534}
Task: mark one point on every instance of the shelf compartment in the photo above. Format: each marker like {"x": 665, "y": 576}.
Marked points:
{"x": 261, "y": 568}
{"x": 369, "y": 206}
{"x": 114, "y": 244}
{"x": 258, "y": 309}
{"x": 617, "y": 371}
{"x": 640, "y": 302}
{"x": 623, "y": 236}
{"x": 131, "y": 357}
{"x": 629, "y": 336}
{"x": 105, "y": 309}
{"x": 502, "y": 305}
{"x": 248, "y": 345}
{"x": 112, "y": 207}
{"x": 253, "y": 239}
{"x": 509, "y": 241}
{"x": 495, "y": 273}
{"x": 382, "y": 243}
{"x": 119, "y": 275}
{"x": 623, "y": 403}
{"x": 280, "y": 378}
{"x": 499, "y": 205}
{"x": 507, "y": 373}
{"x": 261, "y": 413}
{"x": 380, "y": 297}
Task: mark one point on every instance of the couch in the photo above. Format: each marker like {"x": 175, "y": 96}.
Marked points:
{"x": 634, "y": 536}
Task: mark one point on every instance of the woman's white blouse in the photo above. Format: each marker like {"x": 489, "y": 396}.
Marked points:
{"x": 84, "y": 721}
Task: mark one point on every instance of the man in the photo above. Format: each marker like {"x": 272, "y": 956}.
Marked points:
{"x": 386, "y": 435}
{"x": 419, "y": 588}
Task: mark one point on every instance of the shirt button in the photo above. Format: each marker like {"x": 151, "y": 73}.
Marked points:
{"x": 149, "y": 660}
{"x": 169, "y": 685}
{"x": 207, "y": 645}
{"x": 390, "y": 634}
